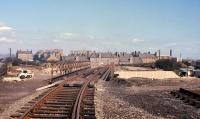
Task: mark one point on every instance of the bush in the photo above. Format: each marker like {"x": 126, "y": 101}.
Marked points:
{"x": 167, "y": 64}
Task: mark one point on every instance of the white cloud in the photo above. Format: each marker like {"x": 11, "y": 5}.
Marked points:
{"x": 136, "y": 40}
{"x": 55, "y": 40}
{"x": 7, "y": 34}
{"x": 5, "y": 28}
{"x": 171, "y": 44}
{"x": 7, "y": 40}
{"x": 72, "y": 37}
{"x": 66, "y": 35}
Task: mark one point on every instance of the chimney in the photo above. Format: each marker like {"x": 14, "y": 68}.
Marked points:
{"x": 135, "y": 54}
{"x": 155, "y": 54}
{"x": 10, "y": 52}
{"x": 159, "y": 53}
{"x": 170, "y": 53}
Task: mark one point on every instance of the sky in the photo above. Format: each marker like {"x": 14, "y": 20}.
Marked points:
{"x": 101, "y": 25}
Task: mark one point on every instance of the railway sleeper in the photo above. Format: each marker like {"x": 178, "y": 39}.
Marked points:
{"x": 58, "y": 106}
{"x": 89, "y": 117}
{"x": 88, "y": 108}
{"x": 60, "y": 98}
{"x": 89, "y": 103}
{"x": 58, "y": 103}
{"x": 21, "y": 111}
{"x": 67, "y": 89}
{"x": 89, "y": 112}
{"x": 72, "y": 85}
{"x": 55, "y": 109}
{"x": 89, "y": 98}
{"x": 52, "y": 112}
{"x": 66, "y": 95}
{"x": 15, "y": 115}
{"x": 32, "y": 102}
{"x": 65, "y": 100}
{"x": 49, "y": 116}
{"x": 90, "y": 95}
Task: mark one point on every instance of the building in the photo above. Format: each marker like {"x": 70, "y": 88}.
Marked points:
{"x": 198, "y": 64}
{"x": 102, "y": 59}
{"x": 136, "y": 60}
{"x": 49, "y": 55}
{"x": 147, "y": 58}
{"x": 2, "y": 69}
{"x": 81, "y": 53}
{"x": 24, "y": 55}
{"x": 124, "y": 58}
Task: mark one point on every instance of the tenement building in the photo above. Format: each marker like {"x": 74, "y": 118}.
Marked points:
{"x": 24, "y": 55}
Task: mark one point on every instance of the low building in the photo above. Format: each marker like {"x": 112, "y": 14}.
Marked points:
{"x": 198, "y": 64}
{"x": 102, "y": 59}
{"x": 124, "y": 58}
{"x": 135, "y": 60}
{"x": 24, "y": 55}
{"x": 147, "y": 58}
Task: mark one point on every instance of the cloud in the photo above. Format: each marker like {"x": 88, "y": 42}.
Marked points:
{"x": 136, "y": 40}
{"x": 56, "y": 41}
{"x": 72, "y": 37}
{"x": 5, "y": 28}
{"x": 7, "y": 34}
{"x": 66, "y": 35}
{"x": 7, "y": 40}
{"x": 171, "y": 44}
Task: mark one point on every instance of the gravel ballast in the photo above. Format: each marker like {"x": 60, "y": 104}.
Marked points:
{"x": 143, "y": 99}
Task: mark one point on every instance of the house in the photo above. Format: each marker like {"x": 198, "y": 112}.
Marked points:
{"x": 124, "y": 58}
{"x": 147, "y": 58}
{"x": 24, "y": 55}
{"x": 135, "y": 60}
{"x": 102, "y": 59}
{"x": 49, "y": 55}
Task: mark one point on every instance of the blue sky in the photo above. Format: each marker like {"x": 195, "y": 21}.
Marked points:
{"x": 102, "y": 25}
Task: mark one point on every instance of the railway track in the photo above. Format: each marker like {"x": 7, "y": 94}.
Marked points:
{"x": 189, "y": 96}
{"x": 71, "y": 99}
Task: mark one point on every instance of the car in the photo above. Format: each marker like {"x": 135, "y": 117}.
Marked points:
{"x": 25, "y": 74}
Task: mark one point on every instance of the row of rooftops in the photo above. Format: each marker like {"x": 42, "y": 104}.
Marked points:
{"x": 121, "y": 55}
{"x": 86, "y": 55}
{"x": 24, "y": 52}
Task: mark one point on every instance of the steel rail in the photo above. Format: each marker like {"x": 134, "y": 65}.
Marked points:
{"x": 77, "y": 107}
{"x": 43, "y": 99}
{"x": 98, "y": 73}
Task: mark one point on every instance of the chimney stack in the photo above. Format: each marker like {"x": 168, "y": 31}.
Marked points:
{"x": 170, "y": 53}
{"x": 159, "y": 53}
{"x": 10, "y": 52}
